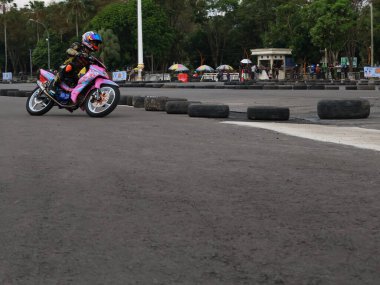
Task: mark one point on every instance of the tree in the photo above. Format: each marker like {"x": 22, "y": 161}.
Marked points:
{"x": 121, "y": 18}
{"x": 57, "y": 53}
{"x": 332, "y": 25}
{"x": 78, "y": 10}
{"x": 110, "y": 49}
{"x": 36, "y": 12}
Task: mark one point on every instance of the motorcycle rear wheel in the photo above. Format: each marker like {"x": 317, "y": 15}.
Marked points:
{"x": 109, "y": 98}
{"x": 38, "y": 104}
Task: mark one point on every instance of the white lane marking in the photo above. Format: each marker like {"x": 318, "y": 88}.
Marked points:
{"x": 351, "y": 136}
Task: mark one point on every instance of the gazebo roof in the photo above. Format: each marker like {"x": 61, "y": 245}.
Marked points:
{"x": 271, "y": 51}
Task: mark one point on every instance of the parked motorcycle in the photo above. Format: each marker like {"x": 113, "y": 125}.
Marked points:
{"x": 94, "y": 92}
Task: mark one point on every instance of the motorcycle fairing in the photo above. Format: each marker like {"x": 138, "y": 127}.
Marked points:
{"x": 50, "y": 77}
{"x": 93, "y": 72}
{"x": 46, "y": 74}
{"x": 100, "y": 81}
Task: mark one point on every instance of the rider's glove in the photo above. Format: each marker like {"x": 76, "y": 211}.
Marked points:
{"x": 83, "y": 55}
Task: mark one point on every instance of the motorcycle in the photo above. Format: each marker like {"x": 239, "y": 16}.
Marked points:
{"x": 94, "y": 92}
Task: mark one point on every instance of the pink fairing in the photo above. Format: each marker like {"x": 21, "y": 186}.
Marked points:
{"x": 101, "y": 81}
{"x": 50, "y": 77}
{"x": 94, "y": 72}
{"x": 46, "y": 74}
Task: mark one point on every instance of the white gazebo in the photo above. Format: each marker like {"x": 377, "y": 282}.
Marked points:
{"x": 272, "y": 58}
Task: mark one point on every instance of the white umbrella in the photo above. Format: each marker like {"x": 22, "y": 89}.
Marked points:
{"x": 225, "y": 67}
{"x": 205, "y": 68}
{"x": 246, "y": 60}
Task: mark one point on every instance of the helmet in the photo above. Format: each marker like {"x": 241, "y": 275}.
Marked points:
{"x": 91, "y": 40}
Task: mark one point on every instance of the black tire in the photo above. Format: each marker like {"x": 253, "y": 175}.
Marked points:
{"x": 270, "y": 87}
{"x": 331, "y": 87}
{"x": 18, "y": 93}
{"x": 12, "y": 93}
{"x": 344, "y": 109}
{"x": 316, "y": 87}
{"x": 123, "y": 100}
{"x": 138, "y": 101}
{"x": 178, "y": 107}
{"x": 152, "y": 103}
{"x": 209, "y": 111}
{"x": 95, "y": 109}
{"x": 33, "y": 99}
{"x": 129, "y": 100}
{"x": 4, "y": 92}
{"x": 21, "y": 93}
{"x": 299, "y": 87}
{"x": 268, "y": 113}
{"x": 366, "y": 87}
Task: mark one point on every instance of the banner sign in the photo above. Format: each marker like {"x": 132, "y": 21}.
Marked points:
{"x": 371, "y": 71}
{"x": 119, "y": 76}
{"x": 345, "y": 61}
{"x": 7, "y": 76}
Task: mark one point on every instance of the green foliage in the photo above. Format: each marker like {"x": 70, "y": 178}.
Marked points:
{"x": 110, "y": 50}
{"x": 121, "y": 18}
{"x": 191, "y": 31}
{"x": 57, "y": 53}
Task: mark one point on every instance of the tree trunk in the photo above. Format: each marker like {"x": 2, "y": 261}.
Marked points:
{"x": 76, "y": 24}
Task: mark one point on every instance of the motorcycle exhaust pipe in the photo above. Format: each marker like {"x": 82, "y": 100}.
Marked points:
{"x": 42, "y": 87}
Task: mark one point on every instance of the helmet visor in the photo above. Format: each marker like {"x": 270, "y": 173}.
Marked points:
{"x": 95, "y": 44}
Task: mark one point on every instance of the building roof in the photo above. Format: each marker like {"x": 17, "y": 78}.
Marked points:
{"x": 271, "y": 51}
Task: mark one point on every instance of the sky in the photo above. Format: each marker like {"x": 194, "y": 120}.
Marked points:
{"x": 21, "y": 3}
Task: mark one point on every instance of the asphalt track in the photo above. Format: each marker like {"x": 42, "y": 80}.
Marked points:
{"x": 149, "y": 198}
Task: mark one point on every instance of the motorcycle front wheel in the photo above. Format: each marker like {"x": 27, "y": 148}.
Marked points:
{"x": 109, "y": 96}
{"x": 38, "y": 104}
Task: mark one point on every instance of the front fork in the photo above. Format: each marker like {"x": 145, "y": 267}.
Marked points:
{"x": 96, "y": 95}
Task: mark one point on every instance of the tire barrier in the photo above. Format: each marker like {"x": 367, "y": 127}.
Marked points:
{"x": 331, "y": 87}
{"x": 155, "y": 103}
{"x": 12, "y": 93}
{"x": 129, "y": 100}
{"x": 256, "y": 87}
{"x": 285, "y": 87}
{"x": 28, "y": 93}
{"x": 299, "y": 87}
{"x": 179, "y": 107}
{"x": 123, "y": 100}
{"x": 138, "y": 101}
{"x": 344, "y": 109}
{"x": 353, "y": 87}
{"x": 268, "y": 113}
{"x": 366, "y": 87}
{"x": 316, "y": 87}
{"x": 4, "y": 92}
{"x": 22, "y": 94}
{"x": 208, "y": 111}
{"x": 270, "y": 87}
{"x": 16, "y": 93}
{"x": 159, "y": 103}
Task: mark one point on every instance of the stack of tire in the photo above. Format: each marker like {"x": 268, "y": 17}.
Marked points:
{"x": 14, "y": 93}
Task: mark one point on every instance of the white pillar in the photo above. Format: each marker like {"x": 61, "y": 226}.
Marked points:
{"x": 140, "y": 64}
{"x": 372, "y": 48}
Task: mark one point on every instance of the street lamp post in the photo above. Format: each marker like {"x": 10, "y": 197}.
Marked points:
{"x": 5, "y": 37}
{"x": 5, "y": 45}
{"x": 31, "y": 65}
{"x": 48, "y": 39}
{"x": 372, "y": 48}
{"x": 140, "y": 64}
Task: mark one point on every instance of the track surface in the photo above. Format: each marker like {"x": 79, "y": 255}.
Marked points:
{"x": 149, "y": 198}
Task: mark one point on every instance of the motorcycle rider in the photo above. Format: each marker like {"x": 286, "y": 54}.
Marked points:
{"x": 78, "y": 59}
